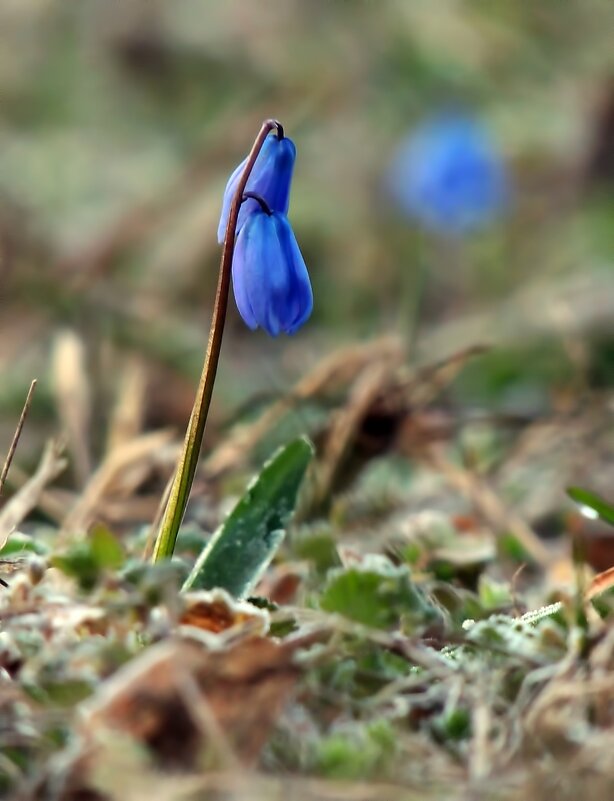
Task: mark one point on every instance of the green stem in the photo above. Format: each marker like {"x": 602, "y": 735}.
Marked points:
{"x": 186, "y": 466}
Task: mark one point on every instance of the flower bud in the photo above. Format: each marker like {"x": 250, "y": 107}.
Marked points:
{"x": 269, "y": 276}
{"x": 270, "y": 178}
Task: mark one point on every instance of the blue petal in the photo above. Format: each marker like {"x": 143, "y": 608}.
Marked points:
{"x": 270, "y": 279}
{"x": 300, "y": 300}
{"x": 256, "y": 255}
{"x": 239, "y": 260}
{"x": 267, "y": 276}
{"x": 270, "y": 178}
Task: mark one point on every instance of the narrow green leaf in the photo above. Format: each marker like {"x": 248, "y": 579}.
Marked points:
{"x": 242, "y": 548}
{"x": 588, "y": 499}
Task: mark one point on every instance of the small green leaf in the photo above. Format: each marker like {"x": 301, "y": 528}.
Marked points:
{"x": 452, "y": 725}
{"x": 588, "y": 500}
{"x": 19, "y": 542}
{"x": 357, "y": 752}
{"x": 379, "y": 594}
{"x": 493, "y": 594}
{"x": 87, "y": 560}
{"x": 79, "y": 563}
{"x": 155, "y": 582}
{"x": 318, "y": 547}
{"x": 511, "y": 548}
{"x": 63, "y": 693}
{"x": 106, "y": 548}
{"x": 242, "y": 548}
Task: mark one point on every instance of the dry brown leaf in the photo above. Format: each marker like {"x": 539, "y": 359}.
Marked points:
{"x": 600, "y": 583}
{"x": 567, "y": 449}
{"x": 593, "y": 540}
{"x": 239, "y": 690}
{"x": 490, "y": 506}
{"x": 563, "y": 699}
{"x": 121, "y": 472}
{"x": 562, "y": 572}
{"x": 466, "y": 551}
{"x": 337, "y": 370}
{"x": 136, "y": 783}
{"x": 73, "y": 397}
{"x": 54, "y": 502}
{"x": 280, "y": 584}
{"x": 217, "y": 611}
{"x": 127, "y": 416}
{"x": 426, "y": 383}
{"x": 371, "y": 383}
{"x": 26, "y": 499}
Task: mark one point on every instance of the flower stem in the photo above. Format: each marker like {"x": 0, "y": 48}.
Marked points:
{"x": 186, "y": 466}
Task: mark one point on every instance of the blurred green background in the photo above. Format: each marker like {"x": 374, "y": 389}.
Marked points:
{"x": 121, "y": 121}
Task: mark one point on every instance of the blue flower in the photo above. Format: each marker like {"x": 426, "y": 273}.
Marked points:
{"x": 449, "y": 176}
{"x": 270, "y": 178}
{"x": 269, "y": 277}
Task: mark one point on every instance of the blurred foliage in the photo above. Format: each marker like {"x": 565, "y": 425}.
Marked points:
{"x": 112, "y": 110}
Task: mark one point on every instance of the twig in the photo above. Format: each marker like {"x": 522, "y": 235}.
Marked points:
{"x": 17, "y": 435}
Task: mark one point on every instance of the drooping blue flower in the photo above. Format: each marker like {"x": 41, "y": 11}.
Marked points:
{"x": 270, "y": 178}
{"x": 269, "y": 276}
{"x": 449, "y": 176}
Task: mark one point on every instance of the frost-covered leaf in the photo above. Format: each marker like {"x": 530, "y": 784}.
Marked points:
{"x": 379, "y": 594}
{"x": 242, "y": 548}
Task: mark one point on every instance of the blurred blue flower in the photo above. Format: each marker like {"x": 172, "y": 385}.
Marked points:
{"x": 269, "y": 277}
{"x": 449, "y": 176}
{"x": 270, "y": 178}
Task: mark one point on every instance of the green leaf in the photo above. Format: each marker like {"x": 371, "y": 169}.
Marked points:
{"x": 19, "y": 542}
{"x": 318, "y": 547}
{"x": 452, "y": 725}
{"x": 79, "y": 563}
{"x": 377, "y": 593}
{"x": 359, "y": 751}
{"x": 242, "y": 548}
{"x": 106, "y": 548}
{"x": 588, "y": 499}
{"x": 493, "y": 594}
{"x": 87, "y": 560}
